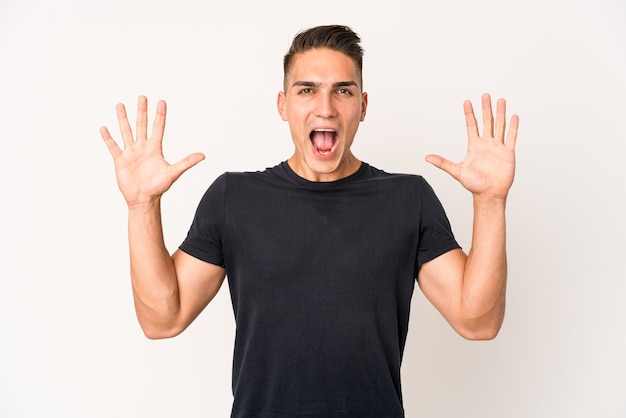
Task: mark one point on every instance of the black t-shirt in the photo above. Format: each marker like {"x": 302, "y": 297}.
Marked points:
{"x": 321, "y": 276}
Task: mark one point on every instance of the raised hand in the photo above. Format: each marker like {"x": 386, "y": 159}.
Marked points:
{"x": 142, "y": 172}
{"x": 489, "y": 166}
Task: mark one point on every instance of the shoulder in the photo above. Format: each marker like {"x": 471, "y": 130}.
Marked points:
{"x": 252, "y": 186}
{"x": 230, "y": 179}
{"x": 394, "y": 179}
{"x": 276, "y": 172}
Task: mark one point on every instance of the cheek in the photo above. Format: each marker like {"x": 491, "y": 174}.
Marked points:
{"x": 297, "y": 120}
{"x": 298, "y": 128}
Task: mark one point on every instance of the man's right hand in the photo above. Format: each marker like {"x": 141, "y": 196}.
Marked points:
{"x": 142, "y": 172}
{"x": 169, "y": 291}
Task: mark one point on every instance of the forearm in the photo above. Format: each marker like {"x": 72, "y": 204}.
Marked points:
{"x": 484, "y": 283}
{"x": 154, "y": 281}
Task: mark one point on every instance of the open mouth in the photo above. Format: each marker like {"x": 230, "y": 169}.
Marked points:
{"x": 323, "y": 140}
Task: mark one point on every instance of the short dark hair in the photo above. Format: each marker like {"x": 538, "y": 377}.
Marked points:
{"x": 336, "y": 37}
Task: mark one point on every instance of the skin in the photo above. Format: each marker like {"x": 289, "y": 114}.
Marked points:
{"x": 470, "y": 290}
{"x": 169, "y": 291}
{"x": 321, "y": 91}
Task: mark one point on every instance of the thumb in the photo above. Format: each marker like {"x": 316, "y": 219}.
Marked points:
{"x": 185, "y": 164}
{"x": 443, "y": 164}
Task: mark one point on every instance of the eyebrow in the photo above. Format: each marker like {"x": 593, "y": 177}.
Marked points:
{"x": 317, "y": 85}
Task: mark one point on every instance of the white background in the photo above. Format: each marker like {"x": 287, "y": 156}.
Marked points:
{"x": 70, "y": 345}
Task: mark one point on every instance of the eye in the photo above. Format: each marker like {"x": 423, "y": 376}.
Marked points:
{"x": 344, "y": 91}
{"x": 306, "y": 90}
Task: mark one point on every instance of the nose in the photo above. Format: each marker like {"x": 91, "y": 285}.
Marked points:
{"x": 325, "y": 106}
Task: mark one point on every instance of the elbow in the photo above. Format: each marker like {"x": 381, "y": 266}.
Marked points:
{"x": 158, "y": 334}
{"x": 483, "y": 334}
{"x": 153, "y": 331}
{"x": 480, "y": 330}
{"x": 158, "y": 324}
{"x": 483, "y": 326}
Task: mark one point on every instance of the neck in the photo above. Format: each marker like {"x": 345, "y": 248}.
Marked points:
{"x": 320, "y": 172}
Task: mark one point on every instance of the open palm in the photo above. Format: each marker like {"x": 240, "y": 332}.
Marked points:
{"x": 489, "y": 166}
{"x": 142, "y": 172}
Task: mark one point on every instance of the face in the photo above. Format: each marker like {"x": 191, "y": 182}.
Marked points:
{"x": 323, "y": 105}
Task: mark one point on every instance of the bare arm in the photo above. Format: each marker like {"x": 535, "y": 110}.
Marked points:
{"x": 470, "y": 290}
{"x": 169, "y": 291}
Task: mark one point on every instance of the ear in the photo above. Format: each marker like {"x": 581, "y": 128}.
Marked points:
{"x": 363, "y": 106}
{"x": 281, "y": 103}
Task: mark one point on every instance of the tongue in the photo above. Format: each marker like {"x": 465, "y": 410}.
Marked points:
{"x": 323, "y": 141}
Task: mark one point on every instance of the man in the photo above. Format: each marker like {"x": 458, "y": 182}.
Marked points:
{"x": 321, "y": 251}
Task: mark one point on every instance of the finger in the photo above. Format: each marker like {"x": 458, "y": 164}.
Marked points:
{"x": 158, "y": 128}
{"x": 142, "y": 118}
{"x": 470, "y": 119}
{"x": 500, "y": 119}
{"x": 185, "y": 164}
{"x": 444, "y": 164}
{"x": 511, "y": 137}
{"x": 114, "y": 149}
{"x": 487, "y": 116}
{"x": 122, "y": 118}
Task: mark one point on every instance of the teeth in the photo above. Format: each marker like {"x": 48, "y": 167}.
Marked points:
{"x": 323, "y": 151}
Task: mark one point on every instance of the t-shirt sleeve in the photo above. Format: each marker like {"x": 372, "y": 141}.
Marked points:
{"x": 436, "y": 237}
{"x": 205, "y": 236}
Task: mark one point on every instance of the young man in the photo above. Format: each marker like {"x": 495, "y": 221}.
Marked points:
{"x": 322, "y": 251}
